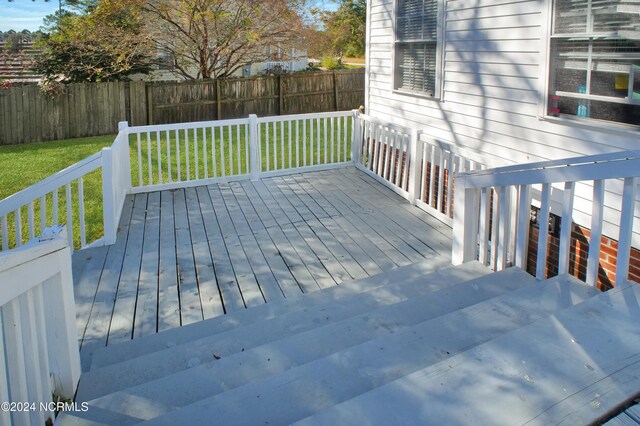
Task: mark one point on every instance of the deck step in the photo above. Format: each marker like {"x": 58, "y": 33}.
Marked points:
{"x": 293, "y": 320}
{"x": 320, "y": 384}
{"x": 346, "y": 292}
{"x": 219, "y": 376}
{"x": 573, "y": 367}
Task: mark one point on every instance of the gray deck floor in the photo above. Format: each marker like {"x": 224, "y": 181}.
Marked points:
{"x": 191, "y": 254}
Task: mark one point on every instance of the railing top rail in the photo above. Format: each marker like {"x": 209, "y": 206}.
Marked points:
{"x": 53, "y": 182}
{"x": 278, "y": 118}
{"x": 191, "y": 125}
{"x": 614, "y": 168}
{"x": 563, "y": 162}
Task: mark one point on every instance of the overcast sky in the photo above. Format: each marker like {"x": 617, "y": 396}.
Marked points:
{"x": 27, "y": 14}
{"x": 24, "y": 14}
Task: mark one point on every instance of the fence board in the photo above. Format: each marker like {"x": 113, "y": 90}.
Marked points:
{"x": 92, "y": 109}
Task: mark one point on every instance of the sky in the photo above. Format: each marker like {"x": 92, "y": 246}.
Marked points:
{"x": 24, "y": 14}
{"x": 28, "y": 14}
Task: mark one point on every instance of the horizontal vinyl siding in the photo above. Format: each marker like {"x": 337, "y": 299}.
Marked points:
{"x": 491, "y": 92}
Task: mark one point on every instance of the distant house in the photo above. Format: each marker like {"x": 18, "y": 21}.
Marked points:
{"x": 17, "y": 51}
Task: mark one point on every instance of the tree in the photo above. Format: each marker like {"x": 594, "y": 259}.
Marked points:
{"x": 106, "y": 44}
{"x": 213, "y": 38}
{"x": 345, "y": 28}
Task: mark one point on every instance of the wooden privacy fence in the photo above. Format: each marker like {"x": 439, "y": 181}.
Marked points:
{"x": 92, "y": 109}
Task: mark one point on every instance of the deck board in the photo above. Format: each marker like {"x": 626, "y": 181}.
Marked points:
{"x": 185, "y": 255}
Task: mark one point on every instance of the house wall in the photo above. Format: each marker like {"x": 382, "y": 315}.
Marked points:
{"x": 495, "y": 63}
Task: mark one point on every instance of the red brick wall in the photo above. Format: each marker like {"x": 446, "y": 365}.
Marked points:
{"x": 579, "y": 253}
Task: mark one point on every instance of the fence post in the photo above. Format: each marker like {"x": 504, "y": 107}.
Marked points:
{"x": 108, "y": 201}
{"x": 465, "y": 222}
{"x": 255, "y": 165}
{"x": 415, "y": 162}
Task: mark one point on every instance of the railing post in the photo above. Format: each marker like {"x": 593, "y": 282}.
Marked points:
{"x": 108, "y": 201}
{"x": 255, "y": 165}
{"x": 415, "y": 162}
{"x": 356, "y": 137}
{"x": 64, "y": 354}
{"x": 465, "y": 222}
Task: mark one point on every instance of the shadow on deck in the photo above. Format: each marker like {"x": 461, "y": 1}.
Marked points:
{"x": 190, "y": 254}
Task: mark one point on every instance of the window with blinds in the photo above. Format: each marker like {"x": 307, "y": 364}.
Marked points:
{"x": 416, "y": 46}
{"x": 595, "y": 60}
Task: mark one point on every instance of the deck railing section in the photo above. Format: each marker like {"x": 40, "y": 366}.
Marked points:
{"x": 39, "y": 356}
{"x": 505, "y": 241}
{"x": 418, "y": 168}
{"x": 188, "y": 154}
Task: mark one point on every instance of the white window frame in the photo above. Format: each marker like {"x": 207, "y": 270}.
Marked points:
{"x": 545, "y": 89}
{"x": 439, "y": 87}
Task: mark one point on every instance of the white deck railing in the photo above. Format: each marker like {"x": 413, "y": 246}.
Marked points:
{"x": 493, "y": 206}
{"x": 39, "y": 354}
{"x": 187, "y": 154}
{"x": 416, "y": 167}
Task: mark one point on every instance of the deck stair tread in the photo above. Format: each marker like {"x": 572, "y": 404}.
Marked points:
{"x": 573, "y": 367}
{"x": 340, "y": 376}
{"x": 218, "y": 376}
{"x": 347, "y": 292}
{"x": 294, "y": 319}
{"x": 438, "y": 344}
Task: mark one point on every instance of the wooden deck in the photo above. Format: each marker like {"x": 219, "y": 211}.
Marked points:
{"x": 190, "y": 254}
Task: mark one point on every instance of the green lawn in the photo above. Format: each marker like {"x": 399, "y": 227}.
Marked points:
{"x": 24, "y": 165}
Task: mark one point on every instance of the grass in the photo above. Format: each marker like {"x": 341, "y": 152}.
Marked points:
{"x": 23, "y": 165}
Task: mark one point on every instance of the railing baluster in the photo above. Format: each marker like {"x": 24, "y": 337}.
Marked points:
{"x": 170, "y": 176}
{"x": 495, "y": 222}
{"x": 5, "y": 415}
{"x": 31, "y": 221}
{"x": 205, "y": 154}
{"x": 304, "y": 142}
{"x": 246, "y": 148}
{"x": 311, "y": 143}
{"x": 524, "y": 221}
{"x": 565, "y": 228}
{"x": 186, "y": 154}
{"x": 159, "y": 153}
{"x": 55, "y": 206}
{"x": 483, "y": 227}
{"x": 407, "y": 161}
{"x": 196, "y": 156}
{"x": 503, "y": 228}
{"x": 450, "y": 172}
{"x": 282, "y": 150}
{"x": 239, "y": 149}
{"x": 35, "y": 387}
{"x": 593, "y": 260}
{"x": 441, "y": 186}
{"x": 423, "y": 173}
{"x": 333, "y": 140}
{"x": 318, "y": 140}
{"x": 543, "y": 231}
{"x": 18, "y": 219}
{"x": 230, "y": 134}
{"x": 223, "y": 163}
{"x": 268, "y": 148}
{"x": 42, "y": 342}
{"x": 290, "y": 151}
{"x": 275, "y": 146}
{"x": 83, "y": 234}
{"x": 626, "y": 229}
{"x": 69, "y": 204}
{"x": 297, "y": 143}
{"x": 149, "y": 159}
{"x": 178, "y": 156}
{"x": 214, "y": 158}
{"x": 370, "y": 147}
{"x": 325, "y": 140}
{"x": 15, "y": 354}
{"x": 432, "y": 178}
{"x": 140, "y": 182}
{"x": 5, "y": 236}
{"x": 43, "y": 213}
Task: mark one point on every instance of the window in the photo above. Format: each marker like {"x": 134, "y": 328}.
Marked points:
{"x": 595, "y": 60}
{"x": 416, "y": 47}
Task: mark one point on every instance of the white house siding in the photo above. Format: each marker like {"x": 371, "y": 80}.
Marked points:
{"x": 493, "y": 80}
